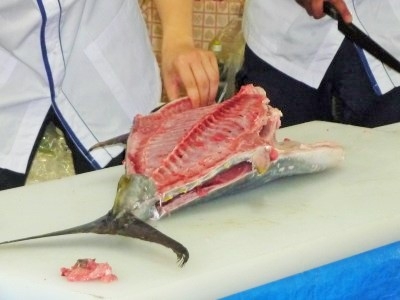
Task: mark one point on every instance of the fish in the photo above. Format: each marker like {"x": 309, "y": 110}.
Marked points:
{"x": 181, "y": 155}
{"x": 120, "y": 220}
{"x": 121, "y": 139}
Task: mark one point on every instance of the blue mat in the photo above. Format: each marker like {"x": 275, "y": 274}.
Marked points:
{"x": 370, "y": 275}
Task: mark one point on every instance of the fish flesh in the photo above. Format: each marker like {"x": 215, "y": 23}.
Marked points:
{"x": 87, "y": 269}
{"x": 180, "y": 155}
{"x": 196, "y": 154}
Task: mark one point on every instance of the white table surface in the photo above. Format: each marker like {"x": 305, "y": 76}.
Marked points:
{"x": 235, "y": 243}
{"x": 390, "y": 128}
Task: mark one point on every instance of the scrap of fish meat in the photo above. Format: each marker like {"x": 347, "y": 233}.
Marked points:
{"x": 195, "y": 153}
{"x": 88, "y": 269}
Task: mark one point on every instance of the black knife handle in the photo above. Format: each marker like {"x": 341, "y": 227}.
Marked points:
{"x": 331, "y": 11}
{"x": 361, "y": 39}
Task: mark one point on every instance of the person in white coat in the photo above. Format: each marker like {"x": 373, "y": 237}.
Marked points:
{"x": 311, "y": 71}
{"x": 88, "y": 66}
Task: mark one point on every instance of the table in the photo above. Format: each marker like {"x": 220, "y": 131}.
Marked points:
{"x": 236, "y": 243}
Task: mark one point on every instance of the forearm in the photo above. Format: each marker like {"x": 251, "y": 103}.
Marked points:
{"x": 176, "y": 20}
{"x": 185, "y": 68}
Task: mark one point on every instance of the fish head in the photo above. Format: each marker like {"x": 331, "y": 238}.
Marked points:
{"x": 135, "y": 194}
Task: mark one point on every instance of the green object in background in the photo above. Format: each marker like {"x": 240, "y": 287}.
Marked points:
{"x": 216, "y": 47}
{"x": 228, "y": 46}
{"x": 53, "y": 159}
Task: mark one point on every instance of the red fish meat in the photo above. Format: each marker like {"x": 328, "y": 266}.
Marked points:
{"x": 88, "y": 269}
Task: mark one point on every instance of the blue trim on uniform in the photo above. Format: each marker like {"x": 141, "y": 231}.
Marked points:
{"x": 371, "y": 77}
{"x": 44, "y": 50}
{"x": 43, "y": 47}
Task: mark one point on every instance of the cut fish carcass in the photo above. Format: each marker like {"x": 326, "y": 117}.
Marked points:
{"x": 191, "y": 153}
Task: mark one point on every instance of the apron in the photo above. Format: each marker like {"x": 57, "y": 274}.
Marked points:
{"x": 282, "y": 34}
{"x": 90, "y": 59}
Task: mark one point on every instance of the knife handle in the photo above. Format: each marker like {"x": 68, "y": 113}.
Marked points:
{"x": 331, "y": 11}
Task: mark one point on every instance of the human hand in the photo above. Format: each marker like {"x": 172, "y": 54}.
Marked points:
{"x": 191, "y": 70}
{"x": 315, "y": 8}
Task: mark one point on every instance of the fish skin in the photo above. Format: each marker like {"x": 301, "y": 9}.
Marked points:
{"x": 294, "y": 158}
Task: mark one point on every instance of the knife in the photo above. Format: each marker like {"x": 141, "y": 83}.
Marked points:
{"x": 353, "y": 33}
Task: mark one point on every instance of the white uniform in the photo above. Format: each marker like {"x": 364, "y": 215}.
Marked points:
{"x": 282, "y": 34}
{"x": 91, "y": 59}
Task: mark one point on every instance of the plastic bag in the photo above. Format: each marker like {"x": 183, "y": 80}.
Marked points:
{"x": 232, "y": 50}
{"x": 53, "y": 158}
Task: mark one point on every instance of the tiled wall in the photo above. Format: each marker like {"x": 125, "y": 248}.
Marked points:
{"x": 209, "y": 16}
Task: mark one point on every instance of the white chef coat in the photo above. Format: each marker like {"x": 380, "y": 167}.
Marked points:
{"x": 282, "y": 34}
{"x": 90, "y": 59}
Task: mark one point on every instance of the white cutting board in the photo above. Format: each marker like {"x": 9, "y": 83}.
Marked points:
{"x": 390, "y": 128}
{"x": 235, "y": 243}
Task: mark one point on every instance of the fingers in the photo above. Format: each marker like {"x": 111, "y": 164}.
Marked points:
{"x": 211, "y": 81}
{"x": 315, "y": 8}
{"x": 342, "y": 10}
{"x": 201, "y": 80}
{"x": 196, "y": 72}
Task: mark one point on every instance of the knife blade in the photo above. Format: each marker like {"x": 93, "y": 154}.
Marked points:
{"x": 362, "y": 40}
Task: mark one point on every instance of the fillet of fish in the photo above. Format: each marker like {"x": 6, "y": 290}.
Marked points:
{"x": 196, "y": 153}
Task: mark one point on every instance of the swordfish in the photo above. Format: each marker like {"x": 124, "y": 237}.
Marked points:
{"x": 180, "y": 154}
